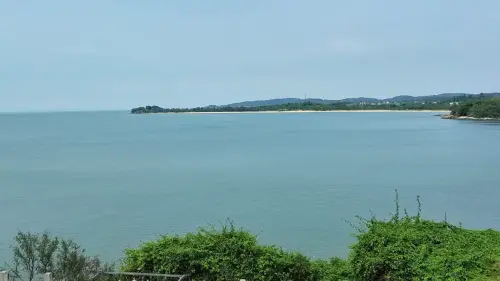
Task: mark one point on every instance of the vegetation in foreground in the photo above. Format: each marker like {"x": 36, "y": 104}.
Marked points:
{"x": 479, "y": 108}
{"x": 402, "y": 248}
{"x": 37, "y": 253}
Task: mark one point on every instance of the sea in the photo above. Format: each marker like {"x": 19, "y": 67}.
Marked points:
{"x": 112, "y": 180}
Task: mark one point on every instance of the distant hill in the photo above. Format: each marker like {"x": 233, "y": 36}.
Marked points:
{"x": 278, "y": 102}
{"x": 359, "y": 100}
{"x": 440, "y": 97}
{"x": 431, "y": 98}
{"x": 434, "y": 102}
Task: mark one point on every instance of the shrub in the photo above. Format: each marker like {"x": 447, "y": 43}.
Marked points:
{"x": 335, "y": 269}
{"x": 411, "y": 248}
{"x": 218, "y": 254}
{"x": 401, "y": 248}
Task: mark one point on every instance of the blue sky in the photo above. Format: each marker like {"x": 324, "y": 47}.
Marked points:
{"x": 98, "y": 54}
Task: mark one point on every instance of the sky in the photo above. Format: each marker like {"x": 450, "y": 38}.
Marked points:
{"x": 118, "y": 54}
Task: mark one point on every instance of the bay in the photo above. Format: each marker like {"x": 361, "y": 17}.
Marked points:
{"x": 111, "y": 180}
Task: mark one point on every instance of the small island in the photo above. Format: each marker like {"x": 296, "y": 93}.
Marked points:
{"x": 479, "y": 109}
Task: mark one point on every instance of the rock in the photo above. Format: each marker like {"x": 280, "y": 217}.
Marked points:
{"x": 449, "y": 116}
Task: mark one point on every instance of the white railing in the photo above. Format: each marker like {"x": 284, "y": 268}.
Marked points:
{"x": 4, "y": 275}
{"x": 141, "y": 274}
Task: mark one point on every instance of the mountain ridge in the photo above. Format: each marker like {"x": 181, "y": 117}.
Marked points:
{"x": 401, "y": 98}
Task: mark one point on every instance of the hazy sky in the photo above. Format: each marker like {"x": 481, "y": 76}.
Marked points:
{"x": 103, "y": 54}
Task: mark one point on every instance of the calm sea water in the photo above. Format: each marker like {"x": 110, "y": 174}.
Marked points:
{"x": 111, "y": 180}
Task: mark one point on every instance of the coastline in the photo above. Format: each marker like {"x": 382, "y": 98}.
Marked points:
{"x": 452, "y": 117}
{"x": 305, "y": 111}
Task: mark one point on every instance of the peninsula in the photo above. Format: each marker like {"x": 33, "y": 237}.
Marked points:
{"x": 477, "y": 109}
{"x": 441, "y": 102}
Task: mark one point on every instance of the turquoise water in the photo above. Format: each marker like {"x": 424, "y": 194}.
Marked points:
{"x": 111, "y": 180}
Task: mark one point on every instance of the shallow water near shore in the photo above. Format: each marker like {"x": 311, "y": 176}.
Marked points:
{"x": 111, "y": 180}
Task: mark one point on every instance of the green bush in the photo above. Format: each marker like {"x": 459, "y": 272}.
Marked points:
{"x": 402, "y": 248}
{"x": 218, "y": 254}
{"x": 411, "y": 248}
{"x": 335, "y": 269}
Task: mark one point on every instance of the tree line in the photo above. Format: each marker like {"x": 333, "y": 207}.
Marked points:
{"x": 478, "y": 108}
{"x": 305, "y": 106}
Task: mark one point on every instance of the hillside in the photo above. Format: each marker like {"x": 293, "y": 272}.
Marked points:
{"x": 435, "y": 102}
{"x": 278, "y": 102}
{"x": 302, "y": 107}
{"x": 403, "y": 98}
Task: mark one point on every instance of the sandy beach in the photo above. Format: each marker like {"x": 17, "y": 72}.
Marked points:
{"x": 307, "y": 111}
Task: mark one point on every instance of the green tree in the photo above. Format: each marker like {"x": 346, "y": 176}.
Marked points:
{"x": 25, "y": 255}
{"x": 486, "y": 109}
{"x": 39, "y": 253}
{"x": 45, "y": 252}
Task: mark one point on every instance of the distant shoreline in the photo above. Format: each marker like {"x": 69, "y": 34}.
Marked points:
{"x": 301, "y": 111}
{"x": 452, "y": 117}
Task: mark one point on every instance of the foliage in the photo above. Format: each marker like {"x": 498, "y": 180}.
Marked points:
{"x": 304, "y": 106}
{"x": 482, "y": 108}
{"x": 486, "y": 109}
{"x": 26, "y": 255}
{"x": 411, "y": 248}
{"x": 402, "y": 248}
{"x": 39, "y": 253}
{"x": 462, "y": 109}
{"x": 335, "y": 269}
{"x": 434, "y": 102}
{"x": 213, "y": 254}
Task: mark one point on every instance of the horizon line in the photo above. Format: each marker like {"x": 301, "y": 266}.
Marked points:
{"x": 42, "y": 111}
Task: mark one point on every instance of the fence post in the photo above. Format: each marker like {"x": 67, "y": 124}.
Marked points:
{"x": 47, "y": 276}
{"x": 4, "y": 276}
